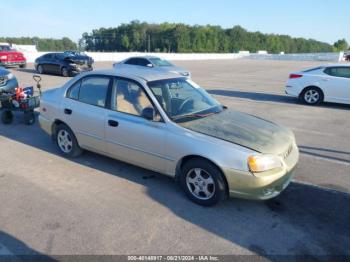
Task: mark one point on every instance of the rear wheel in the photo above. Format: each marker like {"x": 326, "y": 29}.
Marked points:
{"x": 67, "y": 142}
{"x": 40, "y": 69}
{"x": 312, "y": 96}
{"x": 6, "y": 117}
{"x": 203, "y": 182}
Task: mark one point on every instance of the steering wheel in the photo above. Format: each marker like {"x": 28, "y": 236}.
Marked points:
{"x": 184, "y": 103}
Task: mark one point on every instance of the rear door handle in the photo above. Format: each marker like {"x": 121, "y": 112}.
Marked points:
{"x": 68, "y": 111}
{"x": 113, "y": 123}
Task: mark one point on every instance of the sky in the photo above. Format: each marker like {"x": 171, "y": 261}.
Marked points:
{"x": 322, "y": 20}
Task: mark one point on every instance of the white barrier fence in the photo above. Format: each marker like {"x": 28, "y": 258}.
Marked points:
{"x": 329, "y": 57}
{"x": 111, "y": 57}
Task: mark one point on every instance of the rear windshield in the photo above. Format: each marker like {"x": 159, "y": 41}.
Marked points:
{"x": 312, "y": 69}
{"x": 6, "y": 48}
{"x": 160, "y": 62}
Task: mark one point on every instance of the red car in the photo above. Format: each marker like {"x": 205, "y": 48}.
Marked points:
{"x": 11, "y": 57}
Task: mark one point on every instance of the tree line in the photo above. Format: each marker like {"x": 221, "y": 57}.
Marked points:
{"x": 182, "y": 38}
{"x": 42, "y": 44}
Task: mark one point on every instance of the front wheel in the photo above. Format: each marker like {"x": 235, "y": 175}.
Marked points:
{"x": 67, "y": 142}
{"x": 64, "y": 72}
{"x": 203, "y": 182}
{"x": 40, "y": 69}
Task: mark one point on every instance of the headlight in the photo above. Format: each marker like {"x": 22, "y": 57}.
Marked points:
{"x": 261, "y": 163}
{"x": 9, "y": 76}
{"x": 73, "y": 65}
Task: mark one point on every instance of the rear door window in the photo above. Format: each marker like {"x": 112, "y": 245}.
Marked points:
{"x": 143, "y": 62}
{"x": 338, "y": 71}
{"x": 93, "y": 90}
{"x": 132, "y": 61}
{"x": 73, "y": 91}
{"x": 47, "y": 56}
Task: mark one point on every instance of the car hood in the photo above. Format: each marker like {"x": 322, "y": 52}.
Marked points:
{"x": 79, "y": 60}
{"x": 243, "y": 129}
{"x": 175, "y": 69}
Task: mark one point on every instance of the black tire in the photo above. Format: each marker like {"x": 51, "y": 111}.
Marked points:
{"x": 217, "y": 189}
{"x": 23, "y": 66}
{"x": 312, "y": 96}
{"x": 72, "y": 151}
{"x": 6, "y": 117}
{"x": 40, "y": 69}
{"x": 65, "y": 72}
{"x": 29, "y": 118}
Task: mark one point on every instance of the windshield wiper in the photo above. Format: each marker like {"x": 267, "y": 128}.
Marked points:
{"x": 194, "y": 116}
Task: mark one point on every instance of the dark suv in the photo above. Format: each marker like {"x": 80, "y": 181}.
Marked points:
{"x": 347, "y": 57}
{"x": 64, "y": 64}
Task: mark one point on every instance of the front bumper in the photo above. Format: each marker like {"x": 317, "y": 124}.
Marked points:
{"x": 78, "y": 70}
{"x": 262, "y": 186}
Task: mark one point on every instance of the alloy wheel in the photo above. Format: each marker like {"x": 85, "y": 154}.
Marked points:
{"x": 312, "y": 96}
{"x": 64, "y": 141}
{"x": 40, "y": 69}
{"x": 200, "y": 183}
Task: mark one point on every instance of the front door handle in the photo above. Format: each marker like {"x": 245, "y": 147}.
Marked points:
{"x": 113, "y": 123}
{"x": 68, "y": 111}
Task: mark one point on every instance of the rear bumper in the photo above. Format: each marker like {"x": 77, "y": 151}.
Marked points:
{"x": 293, "y": 89}
{"x": 13, "y": 63}
{"x": 289, "y": 93}
{"x": 45, "y": 124}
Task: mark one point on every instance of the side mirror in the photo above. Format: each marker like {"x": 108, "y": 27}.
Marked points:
{"x": 149, "y": 65}
{"x": 148, "y": 113}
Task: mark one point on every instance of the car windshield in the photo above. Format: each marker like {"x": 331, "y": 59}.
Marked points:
{"x": 183, "y": 100}
{"x": 159, "y": 62}
{"x": 74, "y": 53}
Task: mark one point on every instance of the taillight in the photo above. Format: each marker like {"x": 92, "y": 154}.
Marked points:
{"x": 293, "y": 76}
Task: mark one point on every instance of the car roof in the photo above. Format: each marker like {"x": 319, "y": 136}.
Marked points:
{"x": 336, "y": 65}
{"x": 310, "y": 69}
{"x": 145, "y": 57}
{"x": 146, "y": 74}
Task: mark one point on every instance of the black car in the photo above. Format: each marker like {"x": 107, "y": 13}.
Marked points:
{"x": 347, "y": 57}
{"x": 65, "y": 64}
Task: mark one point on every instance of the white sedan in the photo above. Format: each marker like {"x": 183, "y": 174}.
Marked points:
{"x": 329, "y": 83}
